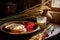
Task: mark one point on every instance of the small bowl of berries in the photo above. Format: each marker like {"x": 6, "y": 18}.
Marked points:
{"x": 19, "y": 27}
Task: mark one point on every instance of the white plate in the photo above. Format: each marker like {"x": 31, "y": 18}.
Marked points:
{"x": 55, "y": 31}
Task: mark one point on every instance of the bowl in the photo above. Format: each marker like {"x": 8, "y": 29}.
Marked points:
{"x": 3, "y": 27}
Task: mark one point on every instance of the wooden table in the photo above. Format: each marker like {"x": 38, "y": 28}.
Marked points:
{"x": 5, "y": 36}
{"x": 26, "y": 15}
{"x": 22, "y": 16}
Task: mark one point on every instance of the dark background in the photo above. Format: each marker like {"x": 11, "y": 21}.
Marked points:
{"x": 20, "y": 6}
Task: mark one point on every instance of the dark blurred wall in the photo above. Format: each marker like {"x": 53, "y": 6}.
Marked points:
{"x": 21, "y": 5}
